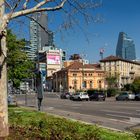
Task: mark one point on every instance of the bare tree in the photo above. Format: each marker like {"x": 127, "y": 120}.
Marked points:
{"x": 11, "y": 9}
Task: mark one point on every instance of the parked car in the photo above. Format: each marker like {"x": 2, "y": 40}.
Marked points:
{"x": 125, "y": 96}
{"x": 80, "y": 96}
{"x": 137, "y": 97}
{"x": 65, "y": 95}
{"x": 11, "y": 99}
{"x": 97, "y": 96}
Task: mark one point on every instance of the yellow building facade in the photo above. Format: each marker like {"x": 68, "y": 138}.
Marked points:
{"x": 125, "y": 69}
{"x": 79, "y": 76}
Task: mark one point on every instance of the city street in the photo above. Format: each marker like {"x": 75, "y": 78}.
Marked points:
{"x": 119, "y": 115}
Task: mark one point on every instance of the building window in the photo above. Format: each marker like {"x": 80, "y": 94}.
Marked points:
{"x": 75, "y": 84}
{"x": 74, "y": 74}
{"x": 100, "y": 85}
{"x": 84, "y": 84}
{"x": 90, "y": 74}
{"x": 90, "y": 84}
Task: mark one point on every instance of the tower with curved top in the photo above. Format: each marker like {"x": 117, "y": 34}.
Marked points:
{"x": 125, "y": 47}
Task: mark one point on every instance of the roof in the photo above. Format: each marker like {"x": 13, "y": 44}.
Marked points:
{"x": 115, "y": 58}
{"x": 78, "y": 65}
{"x": 110, "y": 58}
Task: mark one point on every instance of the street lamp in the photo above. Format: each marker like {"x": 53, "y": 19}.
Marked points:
{"x": 39, "y": 89}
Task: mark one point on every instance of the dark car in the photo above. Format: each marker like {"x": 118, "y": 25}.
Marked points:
{"x": 97, "y": 96}
{"x": 137, "y": 97}
{"x": 65, "y": 95}
{"x": 125, "y": 96}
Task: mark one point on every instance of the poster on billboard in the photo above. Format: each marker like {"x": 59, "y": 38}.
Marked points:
{"x": 53, "y": 59}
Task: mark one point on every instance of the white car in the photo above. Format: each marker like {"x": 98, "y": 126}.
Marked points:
{"x": 80, "y": 96}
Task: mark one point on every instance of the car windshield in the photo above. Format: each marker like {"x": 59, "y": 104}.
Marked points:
{"x": 77, "y": 94}
{"x": 101, "y": 93}
{"x": 123, "y": 94}
{"x": 84, "y": 93}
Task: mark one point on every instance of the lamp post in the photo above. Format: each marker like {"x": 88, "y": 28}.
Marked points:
{"x": 39, "y": 89}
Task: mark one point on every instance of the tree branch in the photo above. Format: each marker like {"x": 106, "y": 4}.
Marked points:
{"x": 37, "y": 9}
{"x": 25, "y": 4}
{"x": 7, "y": 4}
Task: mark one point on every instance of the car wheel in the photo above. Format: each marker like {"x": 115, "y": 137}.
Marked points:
{"x": 137, "y": 99}
{"x": 79, "y": 99}
{"x": 126, "y": 99}
{"x": 87, "y": 99}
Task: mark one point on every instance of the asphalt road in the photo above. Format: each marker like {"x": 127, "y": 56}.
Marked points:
{"x": 118, "y": 115}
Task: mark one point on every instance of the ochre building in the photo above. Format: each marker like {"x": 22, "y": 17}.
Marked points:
{"x": 78, "y": 76}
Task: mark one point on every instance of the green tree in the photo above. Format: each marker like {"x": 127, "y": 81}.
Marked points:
{"x": 11, "y": 9}
{"x": 136, "y": 85}
{"x": 19, "y": 67}
{"x": 112, "y": 82}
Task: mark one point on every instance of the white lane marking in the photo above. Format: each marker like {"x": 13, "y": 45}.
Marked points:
{"x": 122, "y": 121}
{"x": 76, "y": 105}
{"x": 117, "y": 112}
{"x": 58, "y": 95}
{"x": 132, "y": 119}
{"x": 50, "y": 108}
{"x": 121, "y": 116}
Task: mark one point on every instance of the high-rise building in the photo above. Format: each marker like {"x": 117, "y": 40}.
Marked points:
{"x": 30, "y": 51}
{"x": 38, "y": 32}
{"x": 125, "y": 47}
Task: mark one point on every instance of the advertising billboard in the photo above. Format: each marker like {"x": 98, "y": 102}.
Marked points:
{"x": 53, "y": 59}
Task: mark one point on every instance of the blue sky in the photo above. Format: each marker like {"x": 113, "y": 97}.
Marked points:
{"x": 118, "y": 15}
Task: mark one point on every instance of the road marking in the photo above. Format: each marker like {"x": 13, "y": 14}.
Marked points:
{"x": 50, "y": 108}
{"x": 121, "y": 116}
{"x": 117, "y": 112}
{"x": 121, "y": 121}
{"x": 132, "y": 119}
{"x": 76, "y": 105}
{"x": 57, "y": 94}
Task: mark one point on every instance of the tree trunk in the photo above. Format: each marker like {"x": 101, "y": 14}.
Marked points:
{"x": 3, "y": 78}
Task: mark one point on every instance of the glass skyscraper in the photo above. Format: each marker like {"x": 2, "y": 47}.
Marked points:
{"x": 38, "y": 35}
{"x": 125, "y": 47}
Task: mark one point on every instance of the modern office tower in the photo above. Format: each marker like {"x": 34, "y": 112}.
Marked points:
{"x": 29, "y": 50}
{"x": 38, "y": 34}
{"x": 125, "y": 47}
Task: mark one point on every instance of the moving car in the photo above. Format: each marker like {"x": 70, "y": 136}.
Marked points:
{"x": 80, "y": 96}
{"x": 97, "y": 96}
{"x": 137, "y": 97}
{"x": 65, "y": 95}
{"x": 125, "y": 96}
